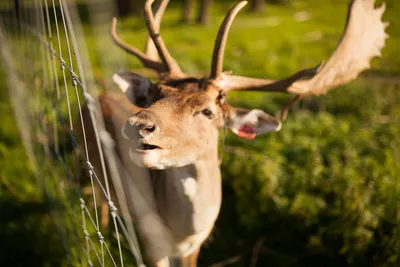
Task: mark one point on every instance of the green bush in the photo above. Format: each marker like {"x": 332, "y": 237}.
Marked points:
{"x": 324, "y": 189}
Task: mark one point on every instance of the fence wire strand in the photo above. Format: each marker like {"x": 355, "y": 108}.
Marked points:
{"x": 31, "y": 27}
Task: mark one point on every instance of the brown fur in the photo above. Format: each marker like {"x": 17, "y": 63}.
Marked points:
{"x": 180, "y": 135}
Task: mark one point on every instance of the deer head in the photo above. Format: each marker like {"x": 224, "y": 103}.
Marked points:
{"x": 181, "y": 115}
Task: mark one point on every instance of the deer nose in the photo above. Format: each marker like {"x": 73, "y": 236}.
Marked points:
{"x": 137, "y": 129}
{"x": 146, "y": 129}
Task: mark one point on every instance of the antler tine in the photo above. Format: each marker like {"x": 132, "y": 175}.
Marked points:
{"x": 151, "y": 50}
{"x": 146, "y": 61}
{"x": 220, "y": 41}
{"x": 363, "y": 39}
{"x": 235, "y": 83}
{"x": 169, "y": 62}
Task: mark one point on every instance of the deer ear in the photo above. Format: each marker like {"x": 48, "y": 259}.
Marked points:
{"x": 250, "y": 123}
{"x": 135, "y": 87}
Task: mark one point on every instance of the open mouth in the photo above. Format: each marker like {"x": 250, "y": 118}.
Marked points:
{"x": 146, "y": 147}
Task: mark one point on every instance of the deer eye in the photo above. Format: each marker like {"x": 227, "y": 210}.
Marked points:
{"x": 208, "y": 113}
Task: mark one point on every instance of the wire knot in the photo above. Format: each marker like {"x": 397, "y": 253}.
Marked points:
{"x": 113, "y": 209}
{"x": 82, "y": 203}
{"x": 100, "y": 236}
{"x": 90, "y": 167}
{"x": 74, "y": 82}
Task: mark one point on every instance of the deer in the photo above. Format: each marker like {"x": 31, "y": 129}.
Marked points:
{"x": 168, "y": 131}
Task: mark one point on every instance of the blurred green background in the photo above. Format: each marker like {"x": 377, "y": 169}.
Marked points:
{"x": 324, "y": 191}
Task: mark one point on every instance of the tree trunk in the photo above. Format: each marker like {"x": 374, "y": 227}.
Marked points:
{"x": 257, "y": 6}
{"x": 127, "y": 7}
{"x": 205, "y": 12}
{"x": 17, "y": 9}
{"x": 187, "y": 10}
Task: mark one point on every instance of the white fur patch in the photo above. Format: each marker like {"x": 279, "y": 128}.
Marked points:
{"x": 123, "y": 85}
{"x": 189, "y": 186}
{"x": 149, "y": 159}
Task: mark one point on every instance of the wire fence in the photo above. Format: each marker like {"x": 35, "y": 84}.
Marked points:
{"x": 50, "y": 83}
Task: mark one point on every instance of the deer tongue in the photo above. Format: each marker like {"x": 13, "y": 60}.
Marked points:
{"x": 247, "y": 132}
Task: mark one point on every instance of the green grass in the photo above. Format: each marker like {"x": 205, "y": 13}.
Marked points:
{"x": 256, "y": 46}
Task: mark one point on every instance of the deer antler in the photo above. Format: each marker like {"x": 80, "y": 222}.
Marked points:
{"x": 151, "y": 50}
{"x": 146, "y": 60}
{"x": 363, "y": 38}
{"x": 155, "y": 45}
{"x": 220, "y": 41}
{"x": 169, "y": 62}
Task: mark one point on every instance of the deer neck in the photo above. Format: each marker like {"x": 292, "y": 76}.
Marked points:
{"x": 196, "y": 179}
{"x": 189, "y": 197}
